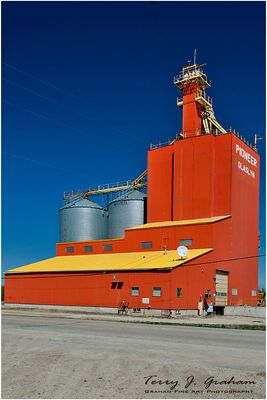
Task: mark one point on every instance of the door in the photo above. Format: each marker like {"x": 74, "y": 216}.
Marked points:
{"x": 221, "y": 295}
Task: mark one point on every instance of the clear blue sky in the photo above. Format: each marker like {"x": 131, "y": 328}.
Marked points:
{"x": 114, "y": 64}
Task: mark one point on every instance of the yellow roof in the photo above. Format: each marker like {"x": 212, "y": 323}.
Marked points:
{"x": 166, "y": 224}
{"x": 108, "y": 262}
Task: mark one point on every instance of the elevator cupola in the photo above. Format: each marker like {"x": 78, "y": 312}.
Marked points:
{"x": 198, "y": 114}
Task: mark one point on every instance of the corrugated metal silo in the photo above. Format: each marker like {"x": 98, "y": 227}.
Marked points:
{"x": 124, "y": 212}
{"x": 83, "y": 220}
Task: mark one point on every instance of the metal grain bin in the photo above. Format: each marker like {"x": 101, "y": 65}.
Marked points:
{"x": 125, "y": 212}
{"x": 83, "y": 220}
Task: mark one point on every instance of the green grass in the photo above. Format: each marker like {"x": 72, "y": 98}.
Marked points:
{"x": 224, "y": 326}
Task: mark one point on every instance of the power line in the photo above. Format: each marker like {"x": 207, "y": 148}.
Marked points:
{"x": 66, "y": 107}
{"x": 47, "y": 118}
{"x": 229, "y": 259}
{"x": 56, "y": 122}
{"x": 61, "y": 90}
{"x": 42, "y": 163}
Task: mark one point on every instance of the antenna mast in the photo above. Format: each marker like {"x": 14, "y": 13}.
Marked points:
{"x": 256, "y": 138}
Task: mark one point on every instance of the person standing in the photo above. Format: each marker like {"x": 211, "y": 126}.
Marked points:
{"x": 200, "y": 305}
{"x": 206, "y": 306}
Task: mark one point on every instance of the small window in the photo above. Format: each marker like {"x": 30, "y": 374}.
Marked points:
{"x": 87, "y": 249}
{"x": 157, "y": 291}
{"x": 234, "y": 292}
{"x": 116, "y": 285}
{"x": 208, "y": 294}
{"x": 146, "y": 245}
{"x": 179, "y": 292}
{"x": 186, "y": 242}
{"x": 69, "y": 249}
{"x": 107, "y": 247}
{"x": 222, "y": 294}
{"x": 253, "y": 293}
{"x": 135, "y": 291}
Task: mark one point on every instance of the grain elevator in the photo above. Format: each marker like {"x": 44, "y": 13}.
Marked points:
{"x": 200, "y": 191}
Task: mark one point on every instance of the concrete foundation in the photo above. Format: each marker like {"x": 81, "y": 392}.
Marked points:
{"x": 105, "y": 310}
{"x": 246, "y": 311}
{"x": 228, "y": 311}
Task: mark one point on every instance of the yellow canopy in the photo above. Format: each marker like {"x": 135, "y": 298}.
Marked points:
{"x": 107, "y": 262}
{"x": 166, "y": 224}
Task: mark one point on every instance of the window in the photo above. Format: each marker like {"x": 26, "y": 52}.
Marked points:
{"x": 88, "y": 248}
{"x": 221, "y": 294}
{"x": 179, "y": 292}
{"x": 107, "y": 247}
{"x": 146, "y": 245}
{"x": 69, "y": 249}
{"x": 116, "y": 285}
{"x": 135, "y": 291}
{"x": 186, "y": 242}
{"x": 254, "y": 293}
{"x": 157, "y": 291}
{"x": 208, "y": 294}
{"x": 234, "y": 292}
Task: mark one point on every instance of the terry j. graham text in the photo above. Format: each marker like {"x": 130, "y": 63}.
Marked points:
{"x": 154, "y": 383}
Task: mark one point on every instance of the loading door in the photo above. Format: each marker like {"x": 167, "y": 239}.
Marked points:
{"x": 221, "y": 294}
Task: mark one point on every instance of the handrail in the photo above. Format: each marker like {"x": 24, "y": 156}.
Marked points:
{"x": 108, "y": 187}
{"x": 160, "y": 144}
{"x": 199, "y": 93}
{"x": 189, "y": 75}
{"x": 202, "y": 93}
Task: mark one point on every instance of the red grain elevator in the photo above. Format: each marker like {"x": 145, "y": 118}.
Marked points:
{"x": 202, "y": 190}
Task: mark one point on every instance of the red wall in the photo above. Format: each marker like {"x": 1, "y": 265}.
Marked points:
{"x": 160, "y": 184}
{"x": 222, "y": 175}
{"x": 245, "y": 214}
{"x": 196, "y": 177}
{"x": 95, "y": 289}
{"x": 192, "y": 119}
{"x": 169, "y": 236}
{"x": 193, "y": 177}
{"x": 200, "y": 179}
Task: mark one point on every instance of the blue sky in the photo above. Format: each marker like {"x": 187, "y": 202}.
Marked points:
{"x": 87, "y": 86}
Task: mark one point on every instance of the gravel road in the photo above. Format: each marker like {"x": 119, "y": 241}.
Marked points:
{"x": 62, "y": 358}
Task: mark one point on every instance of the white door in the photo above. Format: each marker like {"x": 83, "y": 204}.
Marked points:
{"x": 221, "y": 294}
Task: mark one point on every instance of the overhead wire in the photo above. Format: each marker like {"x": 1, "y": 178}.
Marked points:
{"x": 47, "y": 118}
{"x": 56, "y": 122}
{"x": 43, "y": 163}
{"x": 68, "y": 93}
{"x": 74, "y": 96}
{"x": 60, "y": 89}
{"x": 65, "y": 107}
{"x": 61, "y": 105}
{"x": 225, "y": 260}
